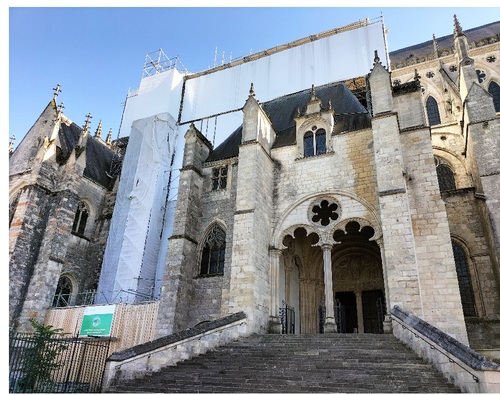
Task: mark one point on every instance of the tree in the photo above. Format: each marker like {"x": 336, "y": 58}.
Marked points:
{"x": 40, "y": 358}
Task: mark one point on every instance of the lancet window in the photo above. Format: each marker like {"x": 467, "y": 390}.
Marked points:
{"x": 494, "y": 90}
{"x": 81, "y": 216}
{"x": 214, "y": 251}
{"x": 464, "y": 281}
{"x": 446, "y": 177}
{"x": 432, "y": 111}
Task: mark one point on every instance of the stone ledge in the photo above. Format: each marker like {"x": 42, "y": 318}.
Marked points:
{"x": 446, "y": 342}
{"x": 174, "y": 338}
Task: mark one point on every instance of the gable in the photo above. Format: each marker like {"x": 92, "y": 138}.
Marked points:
{"x": 350, "y": 115}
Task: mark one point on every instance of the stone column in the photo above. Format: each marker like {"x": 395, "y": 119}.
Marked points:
{"x": 274, "y": 319}
{"x": 330, "y": 325}
{"x": 359, "y": 309}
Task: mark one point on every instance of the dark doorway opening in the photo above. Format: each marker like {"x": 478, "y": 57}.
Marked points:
{"x": 373, "y": 311}
{"x": 347, "y": 316}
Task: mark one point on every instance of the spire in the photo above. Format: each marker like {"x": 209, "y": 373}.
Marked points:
{"x": 56, "y": 90}
{"x": 435, "y": 45}
{"x": 462, "y": 49}
{"x": 313, "y": 92}
{"x": 60, "y": 108}
{"x": 416, "y": 77}
{"x": 109, "y": 136}
{"x": 251, "y": 93}
{"x": 458, "y": 29}
{"x": 86, "y": 127}
{"x": 376, "y": 58}
{"x": 99, "y": 129}
{"x": 314, "y": 103}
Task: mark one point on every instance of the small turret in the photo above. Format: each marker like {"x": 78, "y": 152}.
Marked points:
{"x": 256, "y": 125}
{"x": 380, "y": 86}
{"x": 98, "y": 130}
{"x": 109, "y": 137}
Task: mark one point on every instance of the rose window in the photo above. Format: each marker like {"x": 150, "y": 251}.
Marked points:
{"x": 325, "y": 212}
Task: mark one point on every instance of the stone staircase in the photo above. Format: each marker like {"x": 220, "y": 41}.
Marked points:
{"x": 336, "y": 363}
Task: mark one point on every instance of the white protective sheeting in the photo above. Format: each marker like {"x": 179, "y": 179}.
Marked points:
{"x": 136, "y": 234}
{"x": 158, "y": 93}
{"x": 334, "y": 58}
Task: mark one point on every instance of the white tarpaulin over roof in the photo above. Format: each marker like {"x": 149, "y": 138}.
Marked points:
{"x": 333, "y": 58}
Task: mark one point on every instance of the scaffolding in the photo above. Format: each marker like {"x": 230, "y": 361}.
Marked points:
{"x": 157, "y": 62}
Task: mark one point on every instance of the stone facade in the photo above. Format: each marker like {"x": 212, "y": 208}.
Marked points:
{"x": 341, "y": 217}
{"x": 55, "y": 178}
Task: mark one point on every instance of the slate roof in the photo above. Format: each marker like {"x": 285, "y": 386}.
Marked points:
{"x": 349, "y": 115}
{"x": 98, "y": 156}
{"x": 444, "y": 43}
{"x": 99, "y": 162}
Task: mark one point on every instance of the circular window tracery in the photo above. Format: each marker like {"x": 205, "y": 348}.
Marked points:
{"x": 324, "y": 212}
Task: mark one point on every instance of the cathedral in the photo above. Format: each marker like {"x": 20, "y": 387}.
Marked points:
{"x": 325, "y": 208}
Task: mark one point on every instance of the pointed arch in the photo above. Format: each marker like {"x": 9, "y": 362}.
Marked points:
{"x": 432, "y": 109}
{"x": 213, "y": 251}
{"x": 494, "y": 91}
{"x": 446, "y": 175}
{"x": 65, "y": 291}
{"x": 464, "y": 279}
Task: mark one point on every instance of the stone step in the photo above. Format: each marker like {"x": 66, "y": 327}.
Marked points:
{"x": 347, "y": 363}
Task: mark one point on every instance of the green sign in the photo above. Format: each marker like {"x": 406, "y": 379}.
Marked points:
{"x": 97, "y": 321}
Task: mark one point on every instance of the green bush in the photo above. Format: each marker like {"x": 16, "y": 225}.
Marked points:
{"x": 40, "y": 359}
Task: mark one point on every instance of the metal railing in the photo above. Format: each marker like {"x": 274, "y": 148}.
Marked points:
{"x": 56, "y": 365}
{"x": 339, "y": 316}
{"x": 90, "y": 298}
{"x": 339, "y": 311}
{"x": 287, "y": 318}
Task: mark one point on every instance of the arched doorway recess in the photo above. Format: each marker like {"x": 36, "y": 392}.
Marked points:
{"x": 302, "y": 279}
{"x": 327, "y": 255}
{"x": 358, "y": 281}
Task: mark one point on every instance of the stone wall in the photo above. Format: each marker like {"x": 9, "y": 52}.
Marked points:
{"x": 434, "y": 256}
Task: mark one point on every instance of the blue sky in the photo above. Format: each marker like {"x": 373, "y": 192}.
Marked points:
{"x": 97, "y": 53}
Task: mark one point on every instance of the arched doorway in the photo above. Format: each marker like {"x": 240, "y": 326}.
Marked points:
{"x": 313, "y": 248}
{"x": 303, "y": 272}
{"x": 358, "y": 282}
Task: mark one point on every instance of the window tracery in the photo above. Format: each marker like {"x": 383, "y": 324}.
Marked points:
{"x": 325, "y": 212}
{"x": 464, "y": 281}
{"x": 314, "y": 142}
{"x": 213, "y": 254}
{"x": 481, "y": 76}
{"x": 446, "y": 176}
{"x": 219, "y": 178}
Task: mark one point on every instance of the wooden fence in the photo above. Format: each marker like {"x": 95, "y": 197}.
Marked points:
{"x": 133, "y": 324}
